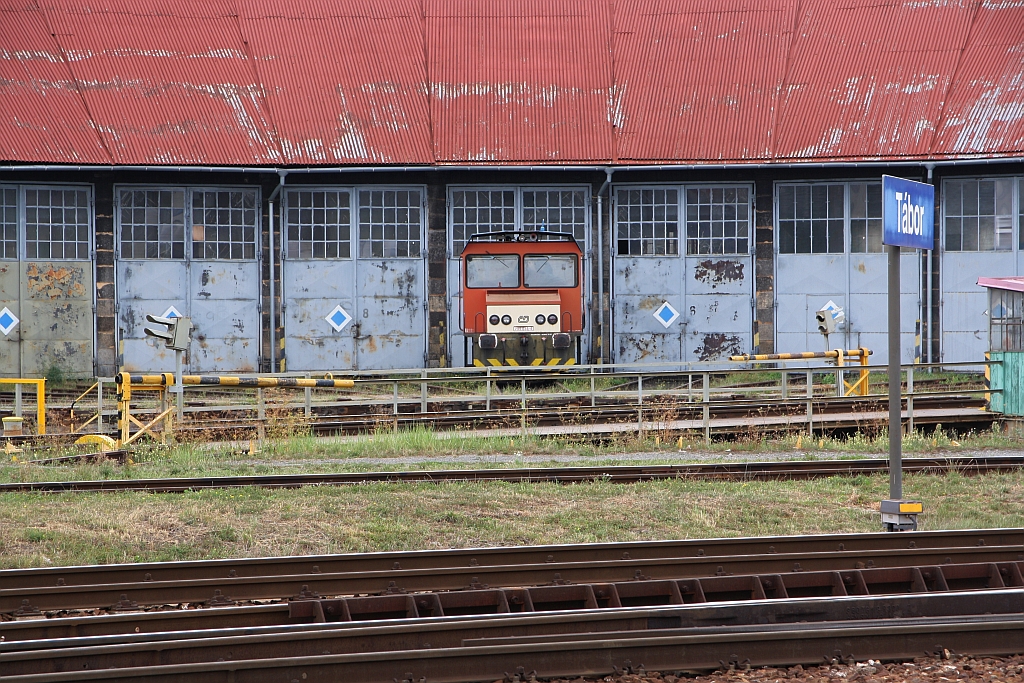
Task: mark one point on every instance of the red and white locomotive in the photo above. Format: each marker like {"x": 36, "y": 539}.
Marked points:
{"x": 522, "y": 298}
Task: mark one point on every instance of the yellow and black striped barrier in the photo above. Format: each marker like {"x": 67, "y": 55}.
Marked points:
{"x": 860, "y": 387}
{"x": 167, "y": 379}
{"x": 127, "y": 383}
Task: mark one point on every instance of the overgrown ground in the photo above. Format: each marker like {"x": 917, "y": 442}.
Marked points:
{"x": 425, "y": 449}
{"x": 85, "y": 528}
{"x": 82, "y": 528}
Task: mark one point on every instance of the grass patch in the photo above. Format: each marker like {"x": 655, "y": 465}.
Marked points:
{"x": 86, "y": 528}
{"x": 422, "y": 448}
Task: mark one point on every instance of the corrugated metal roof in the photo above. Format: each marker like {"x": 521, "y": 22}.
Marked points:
{"x": 1013, "y": 284}
{"x": 334, "y": 82}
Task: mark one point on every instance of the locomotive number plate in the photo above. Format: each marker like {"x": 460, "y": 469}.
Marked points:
{"x": 523, "y": 328}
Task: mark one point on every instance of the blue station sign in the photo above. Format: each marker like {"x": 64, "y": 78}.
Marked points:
{"x": 908, "y": 213}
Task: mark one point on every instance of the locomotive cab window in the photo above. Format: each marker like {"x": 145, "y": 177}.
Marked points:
{"x": 486, "y": 270}
{"x": 549, "y": 270}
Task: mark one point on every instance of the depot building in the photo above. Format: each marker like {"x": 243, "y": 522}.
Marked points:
{"x": 301, "y": 178}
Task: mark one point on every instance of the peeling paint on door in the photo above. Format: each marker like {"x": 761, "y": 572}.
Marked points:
{"x": 715, "y": 273}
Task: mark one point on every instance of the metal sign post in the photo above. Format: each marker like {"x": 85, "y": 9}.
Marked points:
{"x": 908, "y": 219}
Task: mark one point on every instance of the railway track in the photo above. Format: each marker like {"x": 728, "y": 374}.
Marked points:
{"x": 744, "y": 471}
{"x": 219, "y": 582}
{"x": 937, "y": 591}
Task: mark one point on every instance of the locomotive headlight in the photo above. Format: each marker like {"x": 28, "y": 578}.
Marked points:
{"x": 540, "y": 318}
{"x": 506, "y": 320}
{"x": 495, "y": 319}
{"x": 552, "y": 319}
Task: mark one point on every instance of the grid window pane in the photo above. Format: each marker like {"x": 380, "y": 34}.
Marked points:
{"x": 224, "y": 225}
{"x": 152, "y": 224}
{"x": 647, "y": 221}
{"x": 866, "y": 218}
{"x": 8, "y": 223}
{"x": 978, "y": 214}
{"x": 390, "y": 223}
{"x": 57, "y": 224}
{"x": 480, "y": 211}
{"x": 556, "y": 211}
{"x": 318, "y": 224}
{"x": 717, "y": 220}
{"x": 811, "y": 218}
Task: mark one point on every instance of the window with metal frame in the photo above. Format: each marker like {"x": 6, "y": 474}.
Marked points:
{"x": 479, "y": 211}
{"x": 1007, "y": 320}
{"x": 556, "y": 211}
{"x": 492, "y": 270}
{"x": 717, "y": 220}
{"x": 550, "y": 270}
{"x": 56, "y": 223}
{"x": 1020, "y": 213}
{"x": 224, "y": 224}
{"x": 152, "y": 223}
{"x": 389, "y": 223}
{"x": 811, "y": 218}
{"x": 9, "y": 223}
{"x": 318, "y": 224}
{"x": 647, "y": 221}
{"x": 866, "y": 218}
{"x": 978, "y": 214}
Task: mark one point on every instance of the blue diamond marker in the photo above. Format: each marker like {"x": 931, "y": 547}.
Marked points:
{"x": 7, "y": 321}
{"x": 338, "y": 318}
{"x": 666, "y": 315}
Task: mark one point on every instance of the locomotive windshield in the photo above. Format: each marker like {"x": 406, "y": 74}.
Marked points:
{"x": 550, "y": 270}
{"x": 485, "y": 270}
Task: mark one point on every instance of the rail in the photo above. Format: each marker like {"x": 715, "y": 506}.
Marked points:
{"x": 40, "y": 385}
{"x": 515, "y": 396}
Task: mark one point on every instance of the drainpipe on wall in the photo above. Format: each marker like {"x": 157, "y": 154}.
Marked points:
{"x": 273, "y": 290}
{"x": 600, "y": 264}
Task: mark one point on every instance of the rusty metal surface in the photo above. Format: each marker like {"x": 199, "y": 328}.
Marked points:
{"x": 22, "y": 658}
{"x": 614, "y": 653}
{"x": 57, "y": 320}
{"x": 490, "y": 617}
{"x": 241, "y": 588}
{"x": 469, "y": 557}
{"x": 255, "y": 83}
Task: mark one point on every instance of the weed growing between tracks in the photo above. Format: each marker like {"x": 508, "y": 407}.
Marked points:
{"x": 87, "y": 528}
{"x": 421, "y": 448}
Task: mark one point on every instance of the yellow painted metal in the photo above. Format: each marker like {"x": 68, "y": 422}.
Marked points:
{"x": 911, "y": 507}
{"x": 102, "y": 440}
{"x": 40, "y": 385}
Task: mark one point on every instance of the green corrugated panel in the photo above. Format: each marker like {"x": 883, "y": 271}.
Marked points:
{"x": 1008, "y": 376}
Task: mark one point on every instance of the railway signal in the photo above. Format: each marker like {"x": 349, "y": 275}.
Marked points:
{"x": 177, "y": 336}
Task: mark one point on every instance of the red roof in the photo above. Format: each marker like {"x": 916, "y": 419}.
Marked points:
{"x": 368, "y": 82}
{"x": 1012, "y": 284}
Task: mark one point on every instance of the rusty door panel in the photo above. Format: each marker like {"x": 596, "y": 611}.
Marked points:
{"x": 389, "y": 325}
{"x": 718, "y": 307}
{"x": 148, "y": 288}
{"x": 222, "y": 298}
{"x": 226, "y": 315}
{"x": 964, "y": 318}
{"x": 10, "y": 296}
{"x": 856, "y": 282}
{"x": 640, "y": 286}
{"x": 311, "y": 290}
{"x": 57, "y": 317}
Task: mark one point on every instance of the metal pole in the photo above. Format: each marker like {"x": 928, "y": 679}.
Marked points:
{"x": 600, "y": 280}
{"x": 178, "y": 387}
{"x": 895, "y": 422}
{"x": 273, "y": 328}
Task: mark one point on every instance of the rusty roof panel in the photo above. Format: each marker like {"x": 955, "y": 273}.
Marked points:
{"x": 167, "y": 87}
{"x": 43, "y": 117}
{"x": 984, "y": 111}
{"x": 867, "y": 78}
{"x": 696, "y": 83}
{"x": 330, "y": 106}
{"x": 520, "y": 82}
{"x": 333, "y": 82}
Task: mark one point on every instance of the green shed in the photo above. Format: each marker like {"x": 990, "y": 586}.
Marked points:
{"x": 1006, "y": 343}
